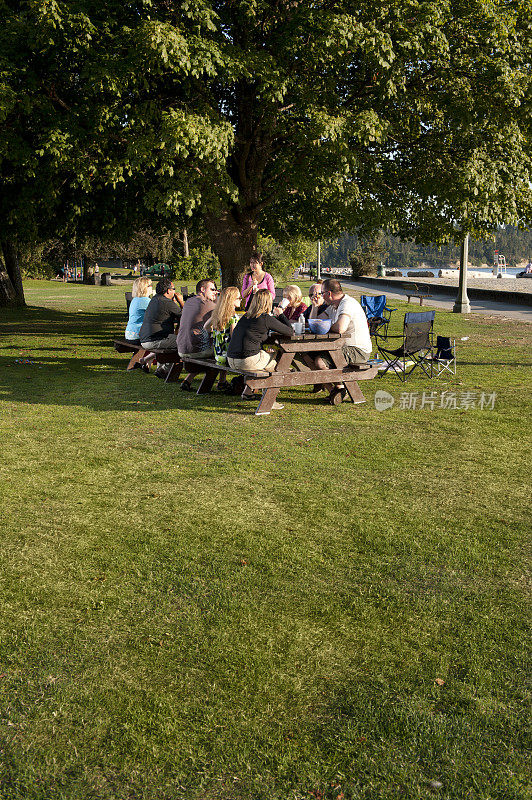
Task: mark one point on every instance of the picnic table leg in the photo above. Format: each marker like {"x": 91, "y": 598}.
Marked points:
{"x": 141, "y": 352}
{"x": 267, "y": 401}
{"x": 352, "y": 387}
{"x": 174, "y": 372}
{"x": 270, "y": 395}
{"x": 285, "y": 362}
{"x": 354, "y": 391}
{"x": 208, "y": 381}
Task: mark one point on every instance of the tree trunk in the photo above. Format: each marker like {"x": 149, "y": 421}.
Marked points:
{"x": 186, "y": 251}
{"x": 11, "y": 290}
{"x": 233, "y": 240}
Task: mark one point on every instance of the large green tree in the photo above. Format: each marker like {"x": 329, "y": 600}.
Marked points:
{"x": 332, "y": 114}
{"x": 42, "y": 146}
{"x": 302, "y": 118}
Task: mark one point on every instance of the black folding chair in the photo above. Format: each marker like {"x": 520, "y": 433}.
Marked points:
{"x": 416, "y": 348}
{"x": 445, "y": 357}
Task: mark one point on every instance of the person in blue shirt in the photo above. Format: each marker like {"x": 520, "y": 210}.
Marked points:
{"x": 142, "y": 291}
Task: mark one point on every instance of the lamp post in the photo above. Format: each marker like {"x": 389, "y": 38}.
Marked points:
{"x": 461, "y": 305}
{"x": 318, "y": 276}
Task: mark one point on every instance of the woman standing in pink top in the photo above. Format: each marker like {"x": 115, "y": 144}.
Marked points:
{"x": 256, "y": 278}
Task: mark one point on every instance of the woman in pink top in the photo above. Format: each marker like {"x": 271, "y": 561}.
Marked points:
{"x": 256, "y": 278}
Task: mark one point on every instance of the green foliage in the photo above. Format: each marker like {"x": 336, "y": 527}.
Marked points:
{"x": 281, "y": 260}
{"x": 367, "y": 255}
{"x": 201, "y": 263}
{"x": 298, "y": 119}
{"x": 38, "y": 269}
{"x": 513, "y": 243}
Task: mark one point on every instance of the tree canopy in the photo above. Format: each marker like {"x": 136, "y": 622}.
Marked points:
{"x": 327, "y": 115}
{"x": 293, "y": 117}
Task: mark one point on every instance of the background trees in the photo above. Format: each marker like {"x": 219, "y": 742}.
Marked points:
{"x": 514, "y": 244}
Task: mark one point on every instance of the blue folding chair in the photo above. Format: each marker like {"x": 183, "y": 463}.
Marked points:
{"x": 416, "y": 348}
{"x": 377, "y": 314}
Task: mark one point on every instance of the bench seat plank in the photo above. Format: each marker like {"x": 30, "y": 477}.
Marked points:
{"x": 278, "y": 380}
{"x": 207, "y": 362}
{"x": 125, "y": 345}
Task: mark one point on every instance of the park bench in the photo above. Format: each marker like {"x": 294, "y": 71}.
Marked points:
{"x": 129, "y": 346}
{"x": 212, "y": 368}
{"x": 420, "y": 291}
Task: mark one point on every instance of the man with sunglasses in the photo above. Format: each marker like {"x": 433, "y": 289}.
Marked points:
{"x": 193, "y": 340}
{"x": 314, "y": 293}
{"x": 348, "y": 318}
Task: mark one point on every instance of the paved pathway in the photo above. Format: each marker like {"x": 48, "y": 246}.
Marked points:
{"x": 488, "y": 307}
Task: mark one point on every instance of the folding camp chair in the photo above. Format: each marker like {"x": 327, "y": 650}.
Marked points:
{"x": 416, "y": 349}
{"x": 377, "y": 314}
{"x": 445, "y": 356}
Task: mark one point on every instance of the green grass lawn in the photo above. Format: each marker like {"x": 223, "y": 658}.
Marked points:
{"x": 199, "y": 603}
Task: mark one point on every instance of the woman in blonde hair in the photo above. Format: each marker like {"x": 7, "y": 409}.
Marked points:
{"x": 245, "y": 348}
{"x": 222, "y": 321}
{"x": 221, "y": 325}
{"x": 295, "y": 306}
{"x": 142, "y": 291}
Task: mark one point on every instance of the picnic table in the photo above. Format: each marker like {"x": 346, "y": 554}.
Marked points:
{"x": 291, "y": 353}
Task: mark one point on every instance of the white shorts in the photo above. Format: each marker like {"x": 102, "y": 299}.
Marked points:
{"x": 262, "y": 361}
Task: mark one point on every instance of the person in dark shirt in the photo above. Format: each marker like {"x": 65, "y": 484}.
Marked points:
{"x": 160, "y": 317}
{"x": 158, "y": 325}
{"x": 245, "y": 348}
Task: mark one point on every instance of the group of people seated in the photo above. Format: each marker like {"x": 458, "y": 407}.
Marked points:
{"x": 209, "y": 327}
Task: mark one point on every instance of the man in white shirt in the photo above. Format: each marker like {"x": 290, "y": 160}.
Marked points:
{"x": 347, "y": 317}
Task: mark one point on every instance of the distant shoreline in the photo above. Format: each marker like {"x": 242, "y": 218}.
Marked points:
{"x": 521, "y": 285}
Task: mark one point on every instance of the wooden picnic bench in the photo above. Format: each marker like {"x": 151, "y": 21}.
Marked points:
{"x": 292, "y": 352}
{"x": 420, "y": 291}
{"x": 163, "y": 357}
{"x": 284, "y": 377}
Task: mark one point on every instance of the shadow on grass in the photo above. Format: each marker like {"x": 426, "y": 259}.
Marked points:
{"x": 83, "y": 322}
{"x": 99, "y": 384}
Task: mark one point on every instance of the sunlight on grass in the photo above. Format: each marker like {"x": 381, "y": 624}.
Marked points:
{"x": 198, "y": 603}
